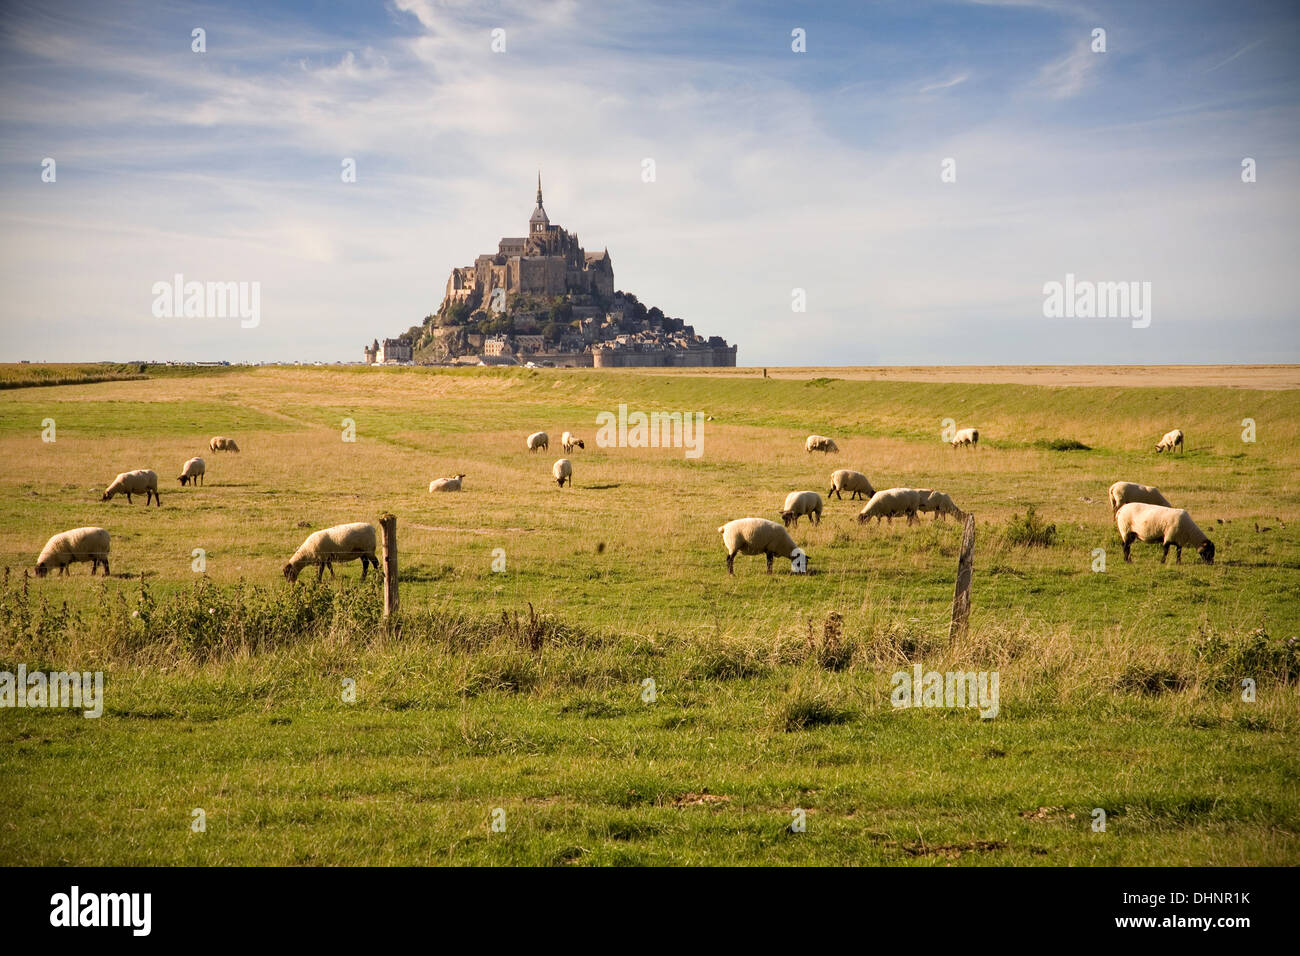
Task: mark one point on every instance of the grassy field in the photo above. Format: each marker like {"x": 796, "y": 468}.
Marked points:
{"x": 1119, "y": 689}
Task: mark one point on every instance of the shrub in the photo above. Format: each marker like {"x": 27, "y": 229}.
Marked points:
{"x": 1030, "y": 530}
{"x": 1063, "y": 444}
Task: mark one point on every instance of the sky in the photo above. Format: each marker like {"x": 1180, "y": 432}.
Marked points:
{"x": 775, "y": 170}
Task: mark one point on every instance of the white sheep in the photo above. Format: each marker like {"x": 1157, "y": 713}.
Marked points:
{"x": 1172, "y": 440}
{"x": 800, "y": 503}
{"x": 758, "y": 536}
{"x": 892, "y": 503}
{"x": 820, "y": 443}
{"x": 852, "y": 481}
{"x": 562, "y": 471}
{"x": 1122, "y": 492}
{"x": 1156, "y": 524}
{"x": 222, "y": 444}
{"x": 538, "y": 440}
{"x": 79, "y": 544}
{"x": 939, "y": 503}
{"x": 142, "y": 481}
{"x": 570, "y": 441}
{"x": 192, "y": 471}
{"x": 343, "y": 542}
{"x": 966, "y": 436}
{"x": 451, "y": 484}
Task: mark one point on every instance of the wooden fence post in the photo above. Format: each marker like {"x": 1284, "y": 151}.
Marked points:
{"x": 961, "y": 594}
{"x": 388, "y": 529}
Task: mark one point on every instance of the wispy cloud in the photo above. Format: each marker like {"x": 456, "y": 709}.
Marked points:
{"x": 945, "y": 84}
{"x": 1245, "y": 49}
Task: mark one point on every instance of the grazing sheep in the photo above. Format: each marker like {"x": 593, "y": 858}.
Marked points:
{"x": 820, "y": 443}
{"x": 1156, "y": 524}
{"x": 139, "y": 482}
{"x": 538, "y": 440}
{"x": 446, "y": 484}
{"x": 563, "y": 471}
{"x": 222, "y": 444}
{"x": 79, "y": 544}
{"x": 892, "y": 503}
{"x": 192, "y": 471}
{"x": 851, "y": 481}
{"x": 343, "y": 542}
{"x": 799, "y": 503}
{"x": 757, "y": 536}
{"x": 940, "y": 503}
{"x": 1172, "y": 440}
{"x": 967, "y": 436}
{"x": 1122, "y": 492}
{"x": 570, "y": 441}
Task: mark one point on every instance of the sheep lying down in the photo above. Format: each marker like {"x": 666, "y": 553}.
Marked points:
{"x": 759, "y": 536}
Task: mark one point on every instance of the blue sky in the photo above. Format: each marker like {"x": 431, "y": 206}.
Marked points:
{"x": 775, "y": 170}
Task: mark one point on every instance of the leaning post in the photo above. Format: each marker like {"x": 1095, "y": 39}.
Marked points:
{"x": 388, "y": 530}
{"x": 961, "y": 593}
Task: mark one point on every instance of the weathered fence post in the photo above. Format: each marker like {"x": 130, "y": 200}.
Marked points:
{"x": 961, "y": 594}
{"x": 388, "y": 529}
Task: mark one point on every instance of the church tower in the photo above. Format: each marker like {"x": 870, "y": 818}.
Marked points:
{"x": 538, "y": 223}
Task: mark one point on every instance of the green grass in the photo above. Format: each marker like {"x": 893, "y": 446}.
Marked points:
{"x": 1119, "y": 689}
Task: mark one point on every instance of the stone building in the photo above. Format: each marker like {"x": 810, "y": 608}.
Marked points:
{"x": 388, "y": 351}
{"x": 548, "y": 262}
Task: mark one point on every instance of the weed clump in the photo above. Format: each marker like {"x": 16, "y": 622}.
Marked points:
{"x": 1030, "y": 530}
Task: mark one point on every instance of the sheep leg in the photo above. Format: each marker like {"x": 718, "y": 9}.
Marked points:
{"x": 1178, "y": 557}
{"x": 1128, "y": 543}
{"x": 1165, "y": 556}
{"x": 730, "y": 560}
{"x": 330, "y": 564}
{"x": 128, "y": 497}
{"x": 104, "y": 562}
{"x": 769, "y": 561}
{"x": 320, "y": 571}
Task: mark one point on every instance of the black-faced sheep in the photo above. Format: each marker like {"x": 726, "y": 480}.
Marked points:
{"x": 967, "y": 436}
{"x": 1156, "y": 524}
{"x": 343, "y": 542}
{"x": 800, "y": 503}
{"x": 139, "y": 482}
{"x": 892, "y": 503}
{"x": 758, "y": 536}
{"x": 192, "y": 471}
{"x": 851, "y": 481}
{"x": 562, "y": 471}
{"x": 1172, "y": 440}
{"x": 68, "y": 547}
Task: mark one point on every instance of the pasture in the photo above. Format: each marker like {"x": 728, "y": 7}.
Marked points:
{"x": 518, "y": 695}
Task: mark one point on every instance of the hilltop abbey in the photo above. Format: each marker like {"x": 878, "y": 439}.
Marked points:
{"x": 542, "y": 299}
{"x": 547, "y": 262}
